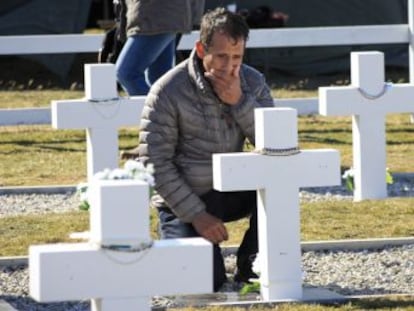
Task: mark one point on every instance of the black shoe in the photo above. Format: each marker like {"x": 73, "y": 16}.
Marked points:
{"x": 245, "y": 277}
{"x": 219, "y": 282}
{"x": 244, "y": 270}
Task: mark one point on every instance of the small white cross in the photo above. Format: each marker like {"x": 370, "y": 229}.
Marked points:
{"x": 120, "y": 268}
{"x": 101, "y": 113}
{"x": 368, "y": 99}
{"x": 277, "y": 180}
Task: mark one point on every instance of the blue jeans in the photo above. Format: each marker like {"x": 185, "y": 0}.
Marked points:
{"x": 143, "y": 59}
{"x": 227, "y": 206}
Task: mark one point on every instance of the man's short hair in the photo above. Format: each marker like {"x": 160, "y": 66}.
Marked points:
{"x": 224, "y": 21}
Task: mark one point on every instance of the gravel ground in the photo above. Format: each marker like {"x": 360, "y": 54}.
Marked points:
{"x": 349, "y": 273}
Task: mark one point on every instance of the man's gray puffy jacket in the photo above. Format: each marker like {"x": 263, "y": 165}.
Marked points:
{"x": 184, "y": 123}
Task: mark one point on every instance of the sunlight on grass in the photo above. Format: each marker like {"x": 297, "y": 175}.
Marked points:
{"x": 336, "y": 220}
{"x": 18, "y": 232}
{"x": 378, "y": 304}
{"x": 41, "y": 155}
{"x": 35, "y": 98}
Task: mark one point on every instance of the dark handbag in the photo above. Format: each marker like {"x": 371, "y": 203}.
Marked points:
{"x": 111, "y": 46}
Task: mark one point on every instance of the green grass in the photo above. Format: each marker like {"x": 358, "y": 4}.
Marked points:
{"x": 35, "y": 98}
{"x": 40, "y": 155}
{"x": 333, "y": 220}
{"x": 378, "y": 304}
{"x": 18, "y": 232}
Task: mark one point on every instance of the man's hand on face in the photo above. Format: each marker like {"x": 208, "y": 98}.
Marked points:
{"x": 227, "y": 86}
{"x": 210, "y": 228}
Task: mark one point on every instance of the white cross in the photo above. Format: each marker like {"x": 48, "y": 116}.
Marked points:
{"x": 101, "y": 113}
{"x": 368, "y": 99}
{"x": 118, "y": 268}
{"x": 277, "y": 180}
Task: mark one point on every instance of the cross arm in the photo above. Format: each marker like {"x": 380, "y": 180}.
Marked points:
{"x": 350, "y": 101}
{"x": 252, "y": 171}
{"x": 81, "y": 114}
{"x": 339, "y": 101}
{"x": 319, "y": 168}
{"x": 82, "y": 271}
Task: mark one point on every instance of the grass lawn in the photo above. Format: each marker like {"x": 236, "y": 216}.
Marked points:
{"x": 40, "y": 155}
{"x": 333, "y": 220}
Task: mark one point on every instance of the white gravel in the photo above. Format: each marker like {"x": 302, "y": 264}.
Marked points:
{"x": 349, "y": 273}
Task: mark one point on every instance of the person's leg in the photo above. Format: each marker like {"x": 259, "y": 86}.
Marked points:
{"x": 164, "y": 62}
{"x": 138, "y": 53}
{"x": 231, "y": 206}
{"x": 248, "y": 249}
{"x": 172, "y": 228}
{"x": 130, "y": 67}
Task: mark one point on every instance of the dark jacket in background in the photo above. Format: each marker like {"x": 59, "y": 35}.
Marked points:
{"x": 160, "y": 16}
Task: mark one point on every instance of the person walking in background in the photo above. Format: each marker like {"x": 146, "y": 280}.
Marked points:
{"x": 151, "y": 28}
{"x": 205, "y": 105}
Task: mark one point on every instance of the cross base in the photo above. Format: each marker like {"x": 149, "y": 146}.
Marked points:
{"x": 282, "y": 291}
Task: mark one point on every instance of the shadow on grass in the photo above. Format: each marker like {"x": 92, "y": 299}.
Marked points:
{"x": 323, "y": 140}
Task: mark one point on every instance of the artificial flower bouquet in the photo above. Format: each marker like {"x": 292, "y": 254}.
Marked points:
{"x": 132, "y": 170}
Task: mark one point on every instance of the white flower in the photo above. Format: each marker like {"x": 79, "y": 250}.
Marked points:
{"x": 148, "y": 178}
{"x": 349, "y": 173}
{"x": 119, "y": 173}
{"x": 132, "y": 170}
{"x": 82, "y": 189}
{"x": 137, "y": 170}
{"x": 150, "y": 168}
{"x": 102, "y": 175}
{"x": 132, "y": 166}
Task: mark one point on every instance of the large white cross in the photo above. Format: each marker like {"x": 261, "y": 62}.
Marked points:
{"x": 368, "y": 99}
{"x": 101, "y": 113}
{"x": 277, "y": 180}
{"x": 120, "y": 268}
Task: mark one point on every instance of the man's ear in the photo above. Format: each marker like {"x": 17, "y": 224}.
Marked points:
{"x": 200, "y": 49}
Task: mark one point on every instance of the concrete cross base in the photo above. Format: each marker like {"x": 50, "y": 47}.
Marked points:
{"x": 310, "y": 294}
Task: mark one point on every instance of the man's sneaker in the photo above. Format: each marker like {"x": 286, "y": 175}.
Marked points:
{"x": 244, "y": 270}
{"x": 245, "y": 276}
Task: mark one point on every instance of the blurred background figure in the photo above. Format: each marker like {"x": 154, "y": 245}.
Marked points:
{"x": 264, "y": 17}
{"x": 153, "y": 30}
{"x": 150, "y": 29}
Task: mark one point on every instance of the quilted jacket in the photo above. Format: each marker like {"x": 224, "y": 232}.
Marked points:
{"x": 183, "y": 123}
